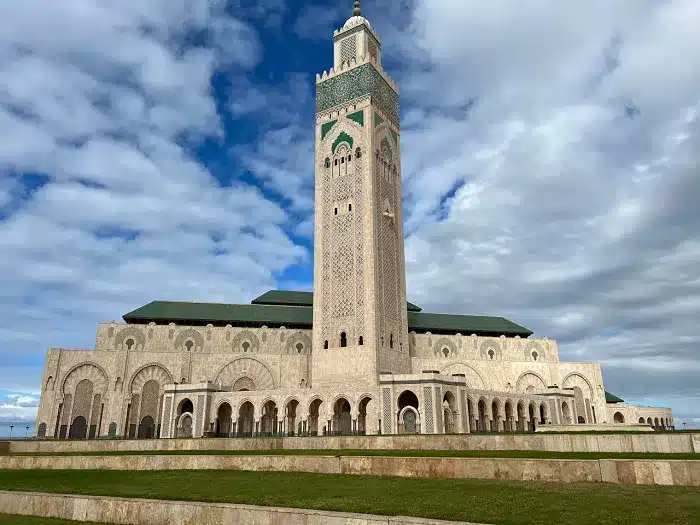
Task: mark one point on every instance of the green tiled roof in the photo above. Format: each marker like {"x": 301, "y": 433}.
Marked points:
{"x": 465, "y": 324}
{"x": 612, "y": 398}
{"x": 217, "y": 313}
{"x": 288, "y": 298}
{"x": 294, "y": 310}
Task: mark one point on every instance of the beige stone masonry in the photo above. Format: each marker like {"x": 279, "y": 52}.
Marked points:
{"x": 634, "y": 472}
{"x": 156, "y": 512}
{"x": 655, "y": 442}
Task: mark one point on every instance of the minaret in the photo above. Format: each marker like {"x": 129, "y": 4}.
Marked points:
{"x": 360, "y": 327}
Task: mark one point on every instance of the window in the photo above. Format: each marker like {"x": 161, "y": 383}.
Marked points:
{"x": 189, "y": 344}
{"x": 129, "y": 343}
{"x": 328, "y": 162}
{"x": 360, "y": 341}
{"x": 446, "y": 351}
{"x": 299, "y": 347}
{"x": 245, "y": 346}
{"x": 342, "y": 160}
{"x": 491, "y": 354}
{"x": 358, "y": 153}
{"x": 391, "y": 340}
{"x": 534, "y": 356}
{"x": 349, "y": 158}
{"x": 349, "y": 207}
{"x": 325, "y": 345}
{"x": 343, "y": 340}
{"x": 335, "y": 162}
{"x": 335, "y": 211}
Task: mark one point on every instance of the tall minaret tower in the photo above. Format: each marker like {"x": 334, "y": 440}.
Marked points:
{"x": 360, "y": 327}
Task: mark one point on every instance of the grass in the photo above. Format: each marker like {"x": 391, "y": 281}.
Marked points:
{"x": 11, "y": 519}
{"x": 529, "y": 454}
{"x": 495, "y": 502}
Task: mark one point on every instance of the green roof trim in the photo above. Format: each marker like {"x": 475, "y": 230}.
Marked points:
{"x": 359, "y": 117}
{"x": 218, "y": 313}
{"x": 326, "y": 127}
{"x": 294, "y": 309}
{"x": 612, "y": 398}
{"x": 292, "y": 298}
{"x": 465, "y": 324}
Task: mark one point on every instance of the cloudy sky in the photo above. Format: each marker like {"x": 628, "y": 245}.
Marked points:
{"x": 162, "y": 149}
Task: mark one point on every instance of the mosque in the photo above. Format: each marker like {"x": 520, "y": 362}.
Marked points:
{"x": 353, "y": 357}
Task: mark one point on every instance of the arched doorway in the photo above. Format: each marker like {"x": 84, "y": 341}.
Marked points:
{"x": 508, "y": 425}
{"x": 246, "y": 419}
{"x": 618, "y": 417}
{"x": 78, "y": 429}
{"x": 147, "y": 428}
{"x": 543, "y": 413}
{"x": 342, "y": 421}
{"x": 449, "y": 409}
{"x": 495, "y": 415}
{"x": 482, "y": 424}
{"x": 184, "y": 427}
{"x": 268, "y": 421}
{"x": 362, "y": 421}
{"x": 224, "y": 420}
{"x": 314, "y": 409}
{"x": 533, "y": 417}
{"x": 566, "y": 412}
{"x": 407, "y": 399}
{"x": 520, "y": 409}
{"x": 290, "y": 417}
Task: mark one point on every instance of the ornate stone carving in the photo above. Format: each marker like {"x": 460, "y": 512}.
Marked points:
{"x": 245, "y": 341}
{"x": 189, "y": 340}
{"x": 130, "y": 338}
{"x": 445, "y": 348}
{"x": 298, "y": 343}
{"x": 259, "y": 373}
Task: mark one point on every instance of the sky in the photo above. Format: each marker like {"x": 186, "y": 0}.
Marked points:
{"x": 163, "y": 149}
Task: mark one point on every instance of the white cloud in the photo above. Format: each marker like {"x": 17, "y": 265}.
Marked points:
{"x": 18, "y": 407}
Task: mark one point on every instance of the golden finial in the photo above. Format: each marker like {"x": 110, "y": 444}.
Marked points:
{"x": 357, "y": 11}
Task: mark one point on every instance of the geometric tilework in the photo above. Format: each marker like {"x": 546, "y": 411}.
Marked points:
{"x": 428, "y": 402}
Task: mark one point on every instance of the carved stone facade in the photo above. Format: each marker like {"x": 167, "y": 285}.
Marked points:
{"x": 360, "y": 370}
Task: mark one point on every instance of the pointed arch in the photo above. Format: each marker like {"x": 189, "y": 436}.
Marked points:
{"x": 474, "y": 378}
{"x": 258, "y": 372}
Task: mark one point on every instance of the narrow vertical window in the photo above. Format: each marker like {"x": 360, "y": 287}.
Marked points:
{"x": 325, "y": 345}
{"x": 343, "y": 340}
{"x": 360, "y": 341}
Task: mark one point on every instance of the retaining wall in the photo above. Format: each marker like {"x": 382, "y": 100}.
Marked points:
{"x": 156, "y": 512}
{"x": 628, "y": 471}
{"x": 645, "y": 443}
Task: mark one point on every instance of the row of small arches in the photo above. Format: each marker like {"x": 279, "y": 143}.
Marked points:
{"x": 342, "y": 159}
{"x": 360, "y": 341}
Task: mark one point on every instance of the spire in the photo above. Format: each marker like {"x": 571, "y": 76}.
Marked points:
{"x": 357, "y": 11}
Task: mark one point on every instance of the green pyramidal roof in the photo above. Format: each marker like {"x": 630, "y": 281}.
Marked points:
{"x": 612, "y": 398}
{"x": 294, "y": 310}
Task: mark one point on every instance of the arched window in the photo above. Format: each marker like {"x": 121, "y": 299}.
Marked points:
{"x": 189, "y": 344}
{"x": 343, "y": 339}
{"x": 335, "y": 162}
{"x": 446, "y": 351}
{"x": 349, "y": 158}
{"x": 325, "y": 345}
{"x": 391, "y": 340}
{"x": 360, "y": 341}
{"x": 358, "y": 153}
{"x": 335, "y": 211}
{"x": 299, "y": 348}
{"x": 328, "y": 162}
{"x": 349, "y": 207}
{"x": 491, "y": 354}
{"x": 534, "y": 356}
{"x": 129, "y": 343}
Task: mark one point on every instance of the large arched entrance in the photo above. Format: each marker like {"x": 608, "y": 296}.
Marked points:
{"x": 184, "y": 424}
{"x": 449, "y": 413}
{"x": 362, "y": 415}
{"x": 482, "y": 416}
{"x": 78, "y": 428}
{"x": 147, "y": 428}
{"x": 342, "y": 421}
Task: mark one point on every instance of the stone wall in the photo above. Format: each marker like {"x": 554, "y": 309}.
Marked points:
{"x": 4, "y": 447}
{"x": 637, "y": 471}
{"x": 155, "y": 512}
{"x": 655, "y": 442}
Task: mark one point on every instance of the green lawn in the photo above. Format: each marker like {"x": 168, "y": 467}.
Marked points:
{"x": 8, "y": 519}
{"x": 496, "y": 502}
{"x": 534, "y": 454}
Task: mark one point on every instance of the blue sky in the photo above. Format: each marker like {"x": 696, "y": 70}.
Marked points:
{"x": 162, "y": 149}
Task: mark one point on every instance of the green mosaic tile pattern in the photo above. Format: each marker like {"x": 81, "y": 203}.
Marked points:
{"x": 342, "y": 137}
{"x": 358, "y": 117}
{"x": 326, "y": 127}
{"x": 356, "y": 83}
